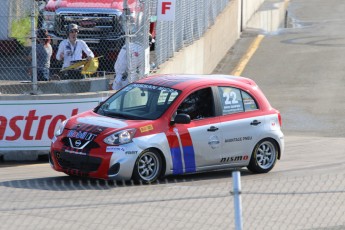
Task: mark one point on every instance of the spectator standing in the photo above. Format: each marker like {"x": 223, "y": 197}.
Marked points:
{"x": 44, "y": 52}
{"x": 122, "y": 78}
{"x": 71, "y": 51}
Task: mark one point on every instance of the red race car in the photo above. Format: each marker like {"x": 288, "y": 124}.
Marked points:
{"x": 172, "y": 124}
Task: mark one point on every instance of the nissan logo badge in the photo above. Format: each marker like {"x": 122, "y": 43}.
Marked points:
{"x": 77, "y": 143}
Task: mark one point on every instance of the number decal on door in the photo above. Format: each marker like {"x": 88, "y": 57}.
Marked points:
{"x": 230, "y": 98}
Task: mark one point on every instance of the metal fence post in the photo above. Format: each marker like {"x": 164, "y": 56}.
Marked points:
{"x": 236, "y": 177}
{"x": 126, "y": 15}
{"x": 33, "y": 48}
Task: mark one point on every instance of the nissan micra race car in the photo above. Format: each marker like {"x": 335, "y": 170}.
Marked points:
{"x": 171, "y": 124}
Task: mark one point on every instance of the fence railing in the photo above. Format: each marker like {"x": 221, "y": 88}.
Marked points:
{"x": 192, "y": 19}
{"x": 186, "y": 202}
{"x": 104, "y": 29}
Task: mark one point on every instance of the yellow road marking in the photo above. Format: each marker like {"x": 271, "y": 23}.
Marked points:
{"x": 245, "y": 59}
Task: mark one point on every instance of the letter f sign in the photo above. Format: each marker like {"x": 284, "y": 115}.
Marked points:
{"x": 165, "y": 6}
{"x": 166, "y": 10}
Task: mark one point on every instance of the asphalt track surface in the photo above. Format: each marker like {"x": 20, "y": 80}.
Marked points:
{"x": 300, "y": 69}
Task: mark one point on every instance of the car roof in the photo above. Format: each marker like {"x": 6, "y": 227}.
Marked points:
{"x": 182, "y": 82}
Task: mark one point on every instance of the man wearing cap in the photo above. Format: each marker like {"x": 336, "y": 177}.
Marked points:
{"x": 71, "y": 51}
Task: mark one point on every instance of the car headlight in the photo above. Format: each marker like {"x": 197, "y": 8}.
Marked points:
{"x": 121, "y": 137}
{"x": 60, "y": 128}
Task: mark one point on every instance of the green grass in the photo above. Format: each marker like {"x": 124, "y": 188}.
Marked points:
{"x": 21, "y": 30}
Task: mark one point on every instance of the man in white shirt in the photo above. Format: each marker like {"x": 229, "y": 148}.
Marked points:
{"x": 122, "y": 78}
{"x": 71, "y": 51}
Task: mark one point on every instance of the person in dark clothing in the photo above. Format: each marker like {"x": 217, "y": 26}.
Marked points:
{"x": 44, "y": 52}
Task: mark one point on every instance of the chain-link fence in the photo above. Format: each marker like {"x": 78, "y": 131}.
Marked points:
{"x": 301, "y": 202}
{"x": 37, "y": 46}
{"x": 105, "y": 27}
{"x": 15, "y": 30}
{"x": 192, "y": 19}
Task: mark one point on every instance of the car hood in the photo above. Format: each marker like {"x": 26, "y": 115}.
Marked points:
{"x": 102, "y": 121}
{"x": 89, "y": 120}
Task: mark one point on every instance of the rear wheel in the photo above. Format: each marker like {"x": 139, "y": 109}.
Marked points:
{"x": 148, "y": 166}
{"x": 264, "y": 156}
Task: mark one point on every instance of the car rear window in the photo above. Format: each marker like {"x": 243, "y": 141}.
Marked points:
{"x": 235, "y": 100}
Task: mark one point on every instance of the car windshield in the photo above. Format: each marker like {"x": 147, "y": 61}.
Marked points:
{"x": 138, "y": 102}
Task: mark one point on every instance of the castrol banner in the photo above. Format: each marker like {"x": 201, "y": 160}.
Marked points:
{"x": 30, "y": 125}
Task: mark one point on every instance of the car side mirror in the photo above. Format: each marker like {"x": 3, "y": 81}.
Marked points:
{"x": 181, "y": 119}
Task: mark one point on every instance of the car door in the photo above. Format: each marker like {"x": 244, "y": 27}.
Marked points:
{"x": 241, "y": 125}
{"x": 198, "y": 144}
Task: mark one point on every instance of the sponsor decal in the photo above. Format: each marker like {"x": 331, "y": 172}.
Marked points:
{"x": 146, "y": 128}
{"x": 115, "y": 148}
{"x": 232, "y": 107}
{"x": 154, "y": 87}
{"x": 234, "y": 159}
{"x": 233, "y": 139}
{"x": 229, "y": 140}
{"x": 231, "y": 100}
{"x": 21, "y": 127}
{"x": 131, "y": 152}
{"x": 81, "y": 135}
{"x": 31, "y": 124}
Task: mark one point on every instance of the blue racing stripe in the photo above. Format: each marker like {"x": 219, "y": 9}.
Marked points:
{"x": 176, "y": 160}
{"x": 189, "y": 159}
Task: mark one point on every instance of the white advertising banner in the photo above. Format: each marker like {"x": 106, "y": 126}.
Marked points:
{"x": 30, "y": 125}
{"x": 166, "y": 10}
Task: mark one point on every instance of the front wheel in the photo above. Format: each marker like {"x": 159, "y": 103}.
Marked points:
{"x": 148, "y": 166}
{"x": 264, "y": 156}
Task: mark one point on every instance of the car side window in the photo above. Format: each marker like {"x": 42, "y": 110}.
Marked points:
{"x": 248, "y": 102}
{"x": 231, "y": 99}
{"x": 235, "y": 101}
{"x": 198, "y": 105}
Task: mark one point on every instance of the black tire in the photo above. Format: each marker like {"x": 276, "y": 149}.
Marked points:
{"x": 148, "y": 166}
{"x": 264, "y": 156}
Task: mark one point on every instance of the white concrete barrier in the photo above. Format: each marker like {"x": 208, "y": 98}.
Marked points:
{"x": 203, "y": 55}
{"x": 28, "y": 123}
